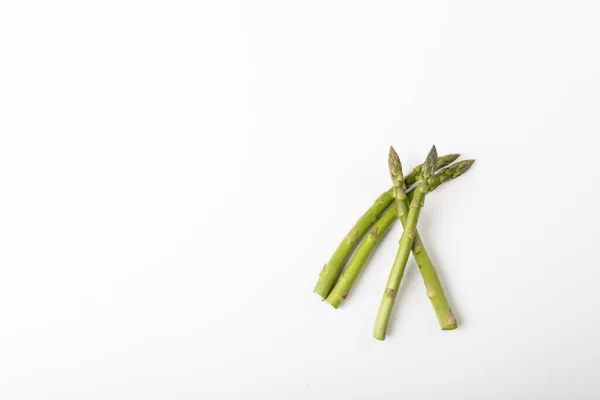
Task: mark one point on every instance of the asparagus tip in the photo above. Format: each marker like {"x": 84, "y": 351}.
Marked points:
{"x": 430, "y": 163}
{"x": 446, "y": 160}
{"x": 394, "y": 165}
{"x": 461, "y": 167}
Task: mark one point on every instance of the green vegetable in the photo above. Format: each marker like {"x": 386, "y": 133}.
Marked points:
{"x": 408, "y": 235}
{"x": 330, "y": 271}
{"x": 373, "y": 238}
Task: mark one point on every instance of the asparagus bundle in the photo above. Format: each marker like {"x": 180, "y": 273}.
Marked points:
{"x": 346, "y": 281}
{"x": 331, "y": 270}
{"x": 406, "y": 203}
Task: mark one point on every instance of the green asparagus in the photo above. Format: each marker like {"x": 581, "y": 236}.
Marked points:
{"x": 408, "y": 235}
{"x": 378, "y": 230}
{"x": 433, "y": 285}
{"x": 330, "y": 271}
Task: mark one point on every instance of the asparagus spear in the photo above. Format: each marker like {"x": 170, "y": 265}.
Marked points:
{"x": 331, "y": 270}
{"x": 357, "y": 262}
{"x": 433, "y": 285}
{"x": 408, "y": 235}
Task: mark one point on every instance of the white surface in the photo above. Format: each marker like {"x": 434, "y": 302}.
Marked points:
{"x": 173, "y": 177}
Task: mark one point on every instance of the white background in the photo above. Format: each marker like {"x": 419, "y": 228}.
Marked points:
{"x": 173, "y": 175}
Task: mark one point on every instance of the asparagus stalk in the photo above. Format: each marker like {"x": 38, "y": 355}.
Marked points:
{"x": 433, "y": 285}
{"x": 379, "y": 229}
{"x": 408, "y": 235}
{"x": 330, "y": 271}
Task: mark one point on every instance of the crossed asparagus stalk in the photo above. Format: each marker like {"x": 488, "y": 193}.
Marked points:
{"x": 377, "y": 220}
